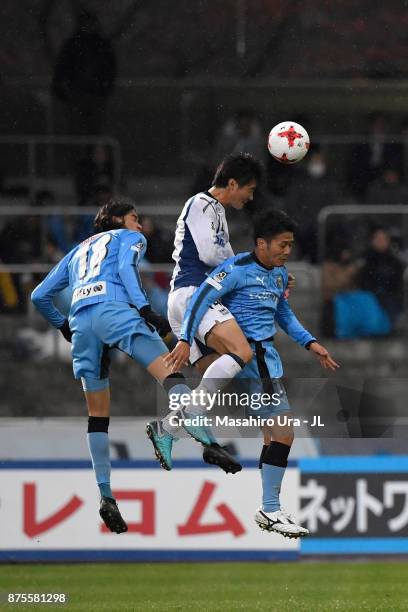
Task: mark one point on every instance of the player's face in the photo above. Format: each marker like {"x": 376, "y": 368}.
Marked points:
{"x": 239, "y": 196}
{"x": 276, "y": 251}
{"x": 131, "y": 221}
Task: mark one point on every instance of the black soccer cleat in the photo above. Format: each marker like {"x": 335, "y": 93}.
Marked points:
{"x": 109, "y": 513}
{"x": 217, "y": 455}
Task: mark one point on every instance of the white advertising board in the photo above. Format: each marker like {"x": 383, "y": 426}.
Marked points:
{"x": 194, "y": 510}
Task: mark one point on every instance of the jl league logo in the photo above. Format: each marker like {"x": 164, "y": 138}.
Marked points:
{"x": 279, "y": 282}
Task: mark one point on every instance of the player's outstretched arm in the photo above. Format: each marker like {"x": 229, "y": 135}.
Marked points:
{"x": 55, "y": 281}
{"x": 323, "y": 355}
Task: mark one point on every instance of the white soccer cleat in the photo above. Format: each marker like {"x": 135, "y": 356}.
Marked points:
{"x": 280, "y": 522}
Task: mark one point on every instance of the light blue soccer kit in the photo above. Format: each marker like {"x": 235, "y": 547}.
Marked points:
{"x": 254, "y": 294}
{"x": 107, "y": 294}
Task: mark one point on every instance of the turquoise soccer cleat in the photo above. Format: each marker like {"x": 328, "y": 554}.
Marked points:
{"x": 162, "y": 442}
{"x": 199, "y": 433}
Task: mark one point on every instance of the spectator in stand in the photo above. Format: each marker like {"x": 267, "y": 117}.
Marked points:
{"x": 382, "y": 273}
{"x": 84, "y": 76}
{"x": 159, "y": 250}
{"x": 388, "y": 189}
{"x": 369, "y": 159}
{"x": 20, "y": 242}
{"x": 339, "y": 274}
{"x": 241, "y": 133}
{"x": 57, "y": 227}
{"x": 313, "y": 189}
{"x": 159, "y": 242}
{"x": 84, "y": 225}
{"x": 94, "y": 170}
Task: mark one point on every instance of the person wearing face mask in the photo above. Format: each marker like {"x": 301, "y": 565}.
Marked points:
{"x": 312, "y": 189}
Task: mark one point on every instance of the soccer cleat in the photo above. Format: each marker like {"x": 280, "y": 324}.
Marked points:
{"x": 162, "y": 442}
{"x": 111, "y": 516}
{"x": 216, "y": 455}
{"x": 200, "y": 434}
{"x": 280, "y": 522}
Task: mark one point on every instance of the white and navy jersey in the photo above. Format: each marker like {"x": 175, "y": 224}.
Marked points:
{"x": 201, "y": 241}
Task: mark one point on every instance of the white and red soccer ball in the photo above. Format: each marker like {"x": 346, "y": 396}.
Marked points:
{"x": 288, "y": 142}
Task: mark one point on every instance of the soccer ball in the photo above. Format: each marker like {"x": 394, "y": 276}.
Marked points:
{"x": 288, "y": 142}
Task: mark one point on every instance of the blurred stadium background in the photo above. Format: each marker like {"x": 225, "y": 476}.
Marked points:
{"x": 160, "y": 94}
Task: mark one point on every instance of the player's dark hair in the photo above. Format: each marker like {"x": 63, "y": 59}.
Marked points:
{"x": 242, "y": 167}
{"x": 269, "y": 224}
{"x": 115, "y": 207}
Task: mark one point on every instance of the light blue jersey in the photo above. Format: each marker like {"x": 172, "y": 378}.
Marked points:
{"x": 253, "y": 293}
{"x": 102, "y": 268}
{"x": 102, "y": 276}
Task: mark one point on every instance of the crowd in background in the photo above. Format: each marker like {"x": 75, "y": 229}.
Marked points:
{"x": 362, "y": 261}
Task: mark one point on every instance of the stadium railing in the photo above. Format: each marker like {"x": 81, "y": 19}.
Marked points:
{"x": 371, "y": 211}
{"x": 307, "y": 276}
{"x": 34, "y": 156}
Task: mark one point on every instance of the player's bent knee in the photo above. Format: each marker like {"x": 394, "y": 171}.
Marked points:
{"x": 245, "y": 353}
{"x": 284, "y": 438}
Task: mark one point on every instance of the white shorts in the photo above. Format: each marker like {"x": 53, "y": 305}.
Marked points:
{"x": 176, "y": 308}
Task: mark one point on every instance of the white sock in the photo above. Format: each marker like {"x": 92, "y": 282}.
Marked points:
{"x": 215, "y": 378}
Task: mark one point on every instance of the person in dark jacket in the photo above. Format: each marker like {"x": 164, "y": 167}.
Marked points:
{"x": 382, "y": 273}
{"x": 84, "y": 75}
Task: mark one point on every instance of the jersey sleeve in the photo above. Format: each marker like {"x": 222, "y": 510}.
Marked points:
{"x": 55, "y": 281}
{"x": 290, "y": 324}
{"x": 202, "y": 223}
{"x": 224, "y": 279}
{"x": 131, "y": 251}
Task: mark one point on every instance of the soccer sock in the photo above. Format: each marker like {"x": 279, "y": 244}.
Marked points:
{"x": 216, "y": 377}
{"x": 262, "y": 455}
{"x": 174, "y": 386}
{"x": 98, "y": 443}
{"x": 274, "y": 463}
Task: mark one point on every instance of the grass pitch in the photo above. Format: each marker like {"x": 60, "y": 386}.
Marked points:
{"x": 281, "y": 587}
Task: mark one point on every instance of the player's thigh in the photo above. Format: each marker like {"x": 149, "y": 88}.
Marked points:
{"x": 227, "y": 337}
{"x": 177, "y": 305}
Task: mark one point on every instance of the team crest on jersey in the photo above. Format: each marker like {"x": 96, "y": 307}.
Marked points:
{"x": 220, "y": 277}
{"x": 215, "y": 281}
{"x": 279, "y": 282}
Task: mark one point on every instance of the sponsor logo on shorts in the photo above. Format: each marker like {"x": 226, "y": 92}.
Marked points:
{"x": 88, "y": 291}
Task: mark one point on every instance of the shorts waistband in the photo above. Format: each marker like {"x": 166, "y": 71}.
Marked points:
{"x": 270, "y": 339}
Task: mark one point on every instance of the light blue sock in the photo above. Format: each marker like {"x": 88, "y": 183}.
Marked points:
{"x": 271, "y": 483}
{"x": 98, "y": 443}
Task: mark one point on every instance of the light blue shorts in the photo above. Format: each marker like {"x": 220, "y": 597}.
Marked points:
{"x": 99, "y": 327}
{"x": 262, "y": 376}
